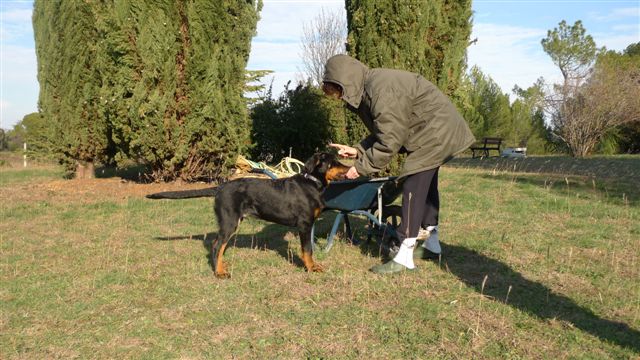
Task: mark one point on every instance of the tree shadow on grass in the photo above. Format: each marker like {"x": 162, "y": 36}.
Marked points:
{"x": 271, "y": 236}
{"x": 135, "y": 173}
{"x": 532, "y": 297}
{"x": 272, "y": 241}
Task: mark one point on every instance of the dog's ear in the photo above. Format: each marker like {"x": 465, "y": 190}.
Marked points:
{"x": 311, "y": 164}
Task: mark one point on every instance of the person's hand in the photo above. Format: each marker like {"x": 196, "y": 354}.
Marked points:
{"x": 352, "y": 173}
{"x": 345, "y": 151}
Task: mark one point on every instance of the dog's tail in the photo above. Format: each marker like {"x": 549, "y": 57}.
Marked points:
{"x": 186, "y": 194}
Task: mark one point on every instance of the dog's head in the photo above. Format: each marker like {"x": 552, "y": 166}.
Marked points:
{"x": 325, "y": 167}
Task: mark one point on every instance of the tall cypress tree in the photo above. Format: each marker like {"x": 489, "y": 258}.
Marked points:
{"x": 426, "y": 37}
{"x": 220, "y": 38}
{"x": 66, "y": 50}
{"x": 178, "y": 72}
{"x": 159, "y": 82}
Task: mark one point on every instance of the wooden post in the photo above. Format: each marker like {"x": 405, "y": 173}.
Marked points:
{"x": 24, "y": 156}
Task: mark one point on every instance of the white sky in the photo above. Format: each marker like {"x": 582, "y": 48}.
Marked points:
{"x": 508, "y": 47}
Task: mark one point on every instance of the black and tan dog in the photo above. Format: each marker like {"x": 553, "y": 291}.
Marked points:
{"x": 295, "y": 201}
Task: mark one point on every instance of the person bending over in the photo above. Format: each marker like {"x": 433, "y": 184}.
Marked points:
{"x": 404, "y": 113}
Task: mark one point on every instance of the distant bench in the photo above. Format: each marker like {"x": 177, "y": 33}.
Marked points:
{"x": 487, "y": 144}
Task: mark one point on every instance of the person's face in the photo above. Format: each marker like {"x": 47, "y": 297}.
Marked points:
{"x": 332, "y": 90}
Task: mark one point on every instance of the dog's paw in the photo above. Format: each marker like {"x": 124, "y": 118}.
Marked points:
{"x": 223, "y": 275}
{"x": 316, "y": 268}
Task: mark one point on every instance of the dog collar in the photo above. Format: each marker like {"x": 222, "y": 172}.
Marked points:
{"x": 313, "y": 178}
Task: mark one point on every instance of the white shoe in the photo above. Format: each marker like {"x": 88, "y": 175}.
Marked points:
{"x": 433, "y": 244}
{"x": 422, "y": 234}
{"x": 405, "y": 255}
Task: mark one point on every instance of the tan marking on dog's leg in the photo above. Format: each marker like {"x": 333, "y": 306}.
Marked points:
{"x": 221, "y": 271}
{"x": 309, "y": 264}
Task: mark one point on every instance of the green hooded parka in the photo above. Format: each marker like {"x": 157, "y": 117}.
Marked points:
{"x": 404, "y": 112}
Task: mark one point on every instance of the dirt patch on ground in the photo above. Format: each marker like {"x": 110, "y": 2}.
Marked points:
{"x": 114, "y": 187}
{"x": 89, "y": 190}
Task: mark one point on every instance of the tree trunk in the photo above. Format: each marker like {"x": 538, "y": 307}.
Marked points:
{"x": 85, "y": 170}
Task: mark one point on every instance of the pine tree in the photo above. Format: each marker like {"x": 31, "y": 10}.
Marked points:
{"x": 487, "y": 112}
{"x": 34, "y": 131}
{"x": 297, "y": 121}
{"x": 527, "y": 113}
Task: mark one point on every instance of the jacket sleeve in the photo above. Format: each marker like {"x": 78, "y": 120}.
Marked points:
{"x": 365, "y": 144}
{"x": 390, "y": 114}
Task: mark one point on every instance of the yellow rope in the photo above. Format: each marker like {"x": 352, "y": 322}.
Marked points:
{"x": 285, "y": 168}
{"x": 291, "y": 166}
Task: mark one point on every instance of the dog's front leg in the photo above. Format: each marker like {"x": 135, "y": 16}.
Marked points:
{"x": 307, "y": 252}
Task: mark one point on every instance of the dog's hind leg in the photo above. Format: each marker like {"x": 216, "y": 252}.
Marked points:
{"x": 229, "y": 217}
{"x": 228, "y": 227}
{"x": 307, "y": 251}
{"x": 217, "y": 250}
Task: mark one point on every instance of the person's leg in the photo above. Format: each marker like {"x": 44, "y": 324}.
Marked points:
{"x": 414, "y": 198}
{"x": 432, "y": 208}
{"x": 430, "y": 219}
{"x": 415, "y": 191}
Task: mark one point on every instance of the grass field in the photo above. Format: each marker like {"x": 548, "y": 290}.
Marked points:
{"x": 543, "y": 264}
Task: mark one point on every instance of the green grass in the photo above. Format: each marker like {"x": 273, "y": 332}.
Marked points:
{"x": 15, "y": 176}
{"x": 534, "y": 266}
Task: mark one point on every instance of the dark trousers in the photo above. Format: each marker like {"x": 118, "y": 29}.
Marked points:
{"x": 420, "y": 203}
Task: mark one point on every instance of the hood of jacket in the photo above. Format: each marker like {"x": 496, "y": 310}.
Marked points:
{"x": 350, "y": 74}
